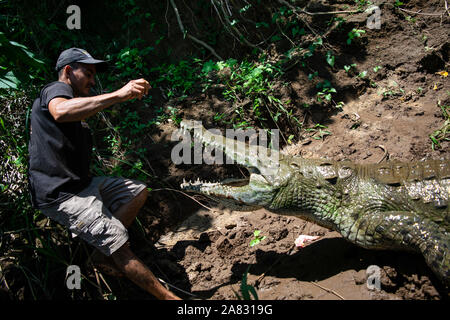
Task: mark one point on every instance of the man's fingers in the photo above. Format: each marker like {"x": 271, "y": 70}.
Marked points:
{"x": 143, "y": 83}
{"x": 136, "y": 94}
{"x": 138, "y": 90}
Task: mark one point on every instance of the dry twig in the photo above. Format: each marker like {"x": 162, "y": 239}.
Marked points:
{"x": 328, "y": 290}
{"x": 169, "y": 189}
{"x": 385, "y": 155}
{"x": 183, "y": 30}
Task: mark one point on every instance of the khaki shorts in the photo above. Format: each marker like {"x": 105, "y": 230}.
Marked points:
{"x": 89, "y": 213}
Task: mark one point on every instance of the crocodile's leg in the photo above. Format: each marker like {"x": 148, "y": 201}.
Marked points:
{"x": 403, "y": 230}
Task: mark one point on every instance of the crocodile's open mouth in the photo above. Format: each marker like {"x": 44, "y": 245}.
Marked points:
{"x": 231, "y": 182}
{"x": 248, "y": 193}
{"x": 240, "y": 182}
{"x": 257, "y": 188}
{"x": 235, "y": 182}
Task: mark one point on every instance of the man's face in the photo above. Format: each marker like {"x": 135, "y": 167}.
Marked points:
{"x": 82, "y": 79}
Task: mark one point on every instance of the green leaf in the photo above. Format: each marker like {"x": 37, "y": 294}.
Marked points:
{"x": 247, "y": 289}
{"x": 9, "y": 81}
{"x": 319, "y": 42}
{"x": 14, "y": 52}
{"x": 330, "y": 58}
{"x": 209, "y": 66}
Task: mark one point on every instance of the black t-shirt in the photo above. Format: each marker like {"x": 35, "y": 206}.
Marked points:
{"x": 59, "y": 152}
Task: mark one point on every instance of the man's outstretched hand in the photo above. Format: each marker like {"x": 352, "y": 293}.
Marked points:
{"x": 133, "y": 89}
{"x": 80, "y": 108}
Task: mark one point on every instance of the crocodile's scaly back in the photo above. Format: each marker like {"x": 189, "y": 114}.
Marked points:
{"x": 428, "y": 181}
{"x": 423, "y": 185}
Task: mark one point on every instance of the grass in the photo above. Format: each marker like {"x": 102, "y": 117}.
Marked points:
{"x": 443, "y": 133}
{"x": 246, "y": 290}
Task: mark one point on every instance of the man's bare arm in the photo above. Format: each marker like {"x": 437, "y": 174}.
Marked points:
{"x": 76, "y": 109}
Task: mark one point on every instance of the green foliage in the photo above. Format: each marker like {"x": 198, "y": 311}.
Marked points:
{"x": 354, "y": 34}
{"x": 246, "y": 290}
{"x": 362, "y": 3}
{"x": 319, "y": 130}
{"x": 246, "y": 78}
{"x": 17, "y": 63}
{"x": 131, "y": 63}
{"x": 122, "y": 143}
{"x": 250, "y": 82}
{"x": 330, "y": 58}
{"x": 312, "y": 47}
{"x": 325, "y": 91}
{"x": 362, "y": 74}
{"x": 179, "y": 79}
{"x": 257, "y": 238}
{"x": 13, "y": 141}
{"x": 377, "y": 68}
{"x": 347, "y": 68}
{"x": 443, "y": 133}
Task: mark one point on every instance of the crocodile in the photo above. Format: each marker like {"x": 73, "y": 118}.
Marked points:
{"x": 390, "y": 206}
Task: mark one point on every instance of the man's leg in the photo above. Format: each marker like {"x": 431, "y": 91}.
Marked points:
{"x": 128, "y": 212}
{"x": 128, "y": 263}
{"x": 136, "y": 271}
{"x": 126, "y": 215}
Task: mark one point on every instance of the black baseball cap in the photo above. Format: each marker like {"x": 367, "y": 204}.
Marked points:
{"x": 79, "y": 55}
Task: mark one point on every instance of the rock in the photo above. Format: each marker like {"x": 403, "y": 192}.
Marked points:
{"x": 230, "y": 226}
{"x": 223, "y": 246}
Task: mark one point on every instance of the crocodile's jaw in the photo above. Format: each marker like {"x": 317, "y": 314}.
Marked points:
{"x": 262, "y": 186}
{"x": 256, "y": 194}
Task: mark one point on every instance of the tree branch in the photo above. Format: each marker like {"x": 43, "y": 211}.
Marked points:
{"x": 316, "y": 13}
{"x": 230, "y": 25}
{"x": 186, "y": 34}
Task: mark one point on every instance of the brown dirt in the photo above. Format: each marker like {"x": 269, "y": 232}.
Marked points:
{"x": 206, "y": 252}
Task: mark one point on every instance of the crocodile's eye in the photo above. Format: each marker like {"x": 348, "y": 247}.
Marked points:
{"x": 253, "y": 170}
{"x": 295, "y": 165}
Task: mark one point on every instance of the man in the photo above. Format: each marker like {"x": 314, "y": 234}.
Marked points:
{"x": 100, "y": 209}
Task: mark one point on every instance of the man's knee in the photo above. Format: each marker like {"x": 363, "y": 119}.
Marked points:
{"x": 123, "y": 254}
{"x": 143, "y": 194}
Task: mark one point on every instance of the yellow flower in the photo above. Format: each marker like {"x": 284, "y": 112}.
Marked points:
{"x": 443, "y": 73}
